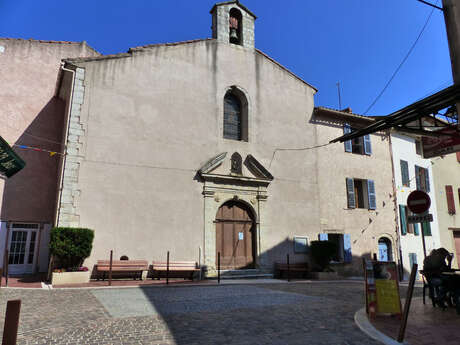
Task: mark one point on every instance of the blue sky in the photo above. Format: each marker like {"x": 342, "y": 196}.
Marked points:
{"x": 357, "y": 42}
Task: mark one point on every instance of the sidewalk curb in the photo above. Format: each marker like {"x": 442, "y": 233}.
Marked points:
{"x": 364, "y": 324}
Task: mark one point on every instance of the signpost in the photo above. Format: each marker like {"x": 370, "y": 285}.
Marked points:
{"x": 382, "y": 290}
{"x": 419, "y": 203}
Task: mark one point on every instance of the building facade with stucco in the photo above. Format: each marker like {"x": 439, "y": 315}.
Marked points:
{"x": 32, "y": 121}
{"x": 210, "y": 146}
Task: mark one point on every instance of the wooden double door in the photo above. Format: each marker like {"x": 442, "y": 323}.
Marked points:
{"x": 235, "y": 236}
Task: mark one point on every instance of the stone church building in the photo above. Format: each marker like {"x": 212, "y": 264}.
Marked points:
{"x": 203, "y": 146}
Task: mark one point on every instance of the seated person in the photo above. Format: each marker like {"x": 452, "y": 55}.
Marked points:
{"x": 433, "y": 265}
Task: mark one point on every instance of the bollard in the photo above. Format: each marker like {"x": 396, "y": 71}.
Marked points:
{"x": 289, "y": 271}
{"x": 6, "y": 267}
{"x": 167, "y": 269}
{"x": 218, "y": 268}
{"x": 10, "y": 328}
{"x": 110, "y": 268}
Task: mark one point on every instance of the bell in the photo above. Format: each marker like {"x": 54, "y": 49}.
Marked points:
{"x": 233, "y": 34}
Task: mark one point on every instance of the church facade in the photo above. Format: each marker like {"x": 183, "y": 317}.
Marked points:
{"x": 210, "y": 146}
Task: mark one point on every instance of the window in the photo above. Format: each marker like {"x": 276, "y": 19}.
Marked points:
{"x": 343, "y": 244}
{"x": 418, "y": 147}
{"x": 422, "y": 179}
{"x": 450, "y": 200}
{"x": 361, "y": 194}
{"x": 404, "y": 173}
{"x": 235, "y": 115}
{"x": 361, "y": 145}
{"x": 300, "y": 244}
{"x": 406, "y": 228}
{"x": 235, "y": 27}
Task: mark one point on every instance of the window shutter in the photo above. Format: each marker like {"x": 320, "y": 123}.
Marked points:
{"x": 426, "y": 228}
{"x": 351, "y": 193}
{"x": 346, "y": 130}
{"x": 403, "y": 219}
{"x": 416, "y": 229}
{"x": 458, "y": 156}
{"x": 427, "y": 180}
{"x": 371, "y": 195}
{"x": 450, "y": 200}
{"x": 367, "y": 145}
{"x": 404, "y": 173}
{"x": 417, "y": 178}
{"x": 347, "y": 257}
{"x": 323, "y": 237}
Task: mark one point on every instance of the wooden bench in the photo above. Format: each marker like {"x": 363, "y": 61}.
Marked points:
{"x": 301, "y": 267}
{"x": 177, "y": 269}
{"x": 122, "y": 266}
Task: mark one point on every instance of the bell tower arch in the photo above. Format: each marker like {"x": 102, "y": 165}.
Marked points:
{"x": 233, "y": 23}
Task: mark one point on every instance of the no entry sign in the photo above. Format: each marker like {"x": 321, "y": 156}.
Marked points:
{"x": 418, "y": 201}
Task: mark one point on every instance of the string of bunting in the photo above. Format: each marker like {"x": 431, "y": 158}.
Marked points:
{"x": 25, "y": 147}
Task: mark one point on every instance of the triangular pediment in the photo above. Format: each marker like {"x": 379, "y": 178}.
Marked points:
{"x": 236, "y": 167}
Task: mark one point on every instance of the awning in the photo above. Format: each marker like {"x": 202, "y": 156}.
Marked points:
{"x": 410, "y": 119}
{"x": 10, "y": 162}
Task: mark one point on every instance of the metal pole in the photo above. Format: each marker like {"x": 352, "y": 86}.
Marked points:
{"x": 218, "y": 268}
{"x": 340, "y": 99}
{"x": 199, "y": 261}
{"x": 410, "y": 290}
{"x": 10, "y": 328}
{"x": 110, "y": 268}
{"x": 167, "y": 268}
{"x": 6, "y": 267}
{"x": 423, "y": 240}
{"x": 289, "y": 270}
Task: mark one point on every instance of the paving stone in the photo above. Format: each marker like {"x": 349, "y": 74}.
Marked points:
{"x": 295, "y": 313}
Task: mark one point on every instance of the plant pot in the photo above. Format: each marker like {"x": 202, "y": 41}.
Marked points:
{"x": 324, "y": 275}
{"x": 63, "y": 278}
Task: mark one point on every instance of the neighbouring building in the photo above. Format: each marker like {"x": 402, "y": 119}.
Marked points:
{"x": 31, "y": 115}
{"x": 204, "y": 147}
{"x": 413, "y": 172}
{"x": 446, "y": 171}
{"x": 355, "y": 190}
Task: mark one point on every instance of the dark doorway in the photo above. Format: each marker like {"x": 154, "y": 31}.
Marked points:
{"x": 235, "y": 234}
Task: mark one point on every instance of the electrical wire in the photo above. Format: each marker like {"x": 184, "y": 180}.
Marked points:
{"x": 297, "y": 149}
{"x": 402, "y": 62}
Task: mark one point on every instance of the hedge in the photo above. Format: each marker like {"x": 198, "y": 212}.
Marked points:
{"x": 71, "y": 246}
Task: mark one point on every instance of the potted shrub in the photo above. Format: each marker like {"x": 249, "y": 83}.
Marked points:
{"x": 322, "y": 253}
{"x": 69, "y": 247}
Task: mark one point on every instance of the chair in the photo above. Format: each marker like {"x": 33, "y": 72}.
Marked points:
{"x": 427, "y": 285}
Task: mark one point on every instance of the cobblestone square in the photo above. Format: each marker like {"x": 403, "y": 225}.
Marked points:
{"x": 294, "y": 313}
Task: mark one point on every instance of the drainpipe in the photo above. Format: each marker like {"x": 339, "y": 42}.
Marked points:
{"x": 67, "y": 117}
{"x": 395, "y": 202}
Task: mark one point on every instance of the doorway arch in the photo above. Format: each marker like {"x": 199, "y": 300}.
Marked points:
{"x": 235, "y": 235}
{"x": 385, "y": 250}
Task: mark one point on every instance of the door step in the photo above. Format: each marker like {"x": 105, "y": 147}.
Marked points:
{"x": 243, "y": 274}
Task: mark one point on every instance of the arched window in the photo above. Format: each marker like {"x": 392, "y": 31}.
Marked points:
{"x": 235, "y": 115}
{"x": 235, "y": 27}
{"x": 232, "y": 117}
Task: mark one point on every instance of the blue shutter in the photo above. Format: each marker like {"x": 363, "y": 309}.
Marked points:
{"x": 426, "y": 228}
{"x": 427, "y": 181}
{"x": 347, "y": 248}
{"x": 403, "y": 219}
{"x": 416, "y": 229}
{"x": 417, "y": 178}
{"x": 346, "y": 130}
{"x": 371, "y": 195}
{"x": 322, "y": 237}
{"x": 367, "y": 145}
{"x": 404, "y": 173}
{"x": 413, "y": 260}
{"x": 351, "y": 201}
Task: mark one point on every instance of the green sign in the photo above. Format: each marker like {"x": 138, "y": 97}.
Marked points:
{"x": 10, "y": 162}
